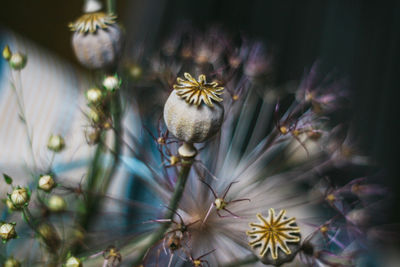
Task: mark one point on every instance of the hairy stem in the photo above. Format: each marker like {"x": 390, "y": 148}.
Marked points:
{"x": 173, "y": 205}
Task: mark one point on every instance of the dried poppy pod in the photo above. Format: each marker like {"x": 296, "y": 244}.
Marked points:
{"x": 97, "y": 39}
{"x": 275, "y": 239}
{"x": 190, "y": 114}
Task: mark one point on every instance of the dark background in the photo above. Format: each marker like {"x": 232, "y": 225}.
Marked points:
{"x": 358, "y": 38}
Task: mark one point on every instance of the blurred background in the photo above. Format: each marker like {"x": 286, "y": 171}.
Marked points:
{"x": 359, "y": 39}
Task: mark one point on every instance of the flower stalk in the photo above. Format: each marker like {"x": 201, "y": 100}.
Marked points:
{"x": 172, "y": 207}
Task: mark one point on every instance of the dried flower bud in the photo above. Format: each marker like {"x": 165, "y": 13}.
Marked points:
{"x": 97, "y": 40}
{"x": 7, "y": 231}
{"x": 111, "y": 83}
{"x": 18, "y": 61}
{"x": 186, "y": 117}
{"x": 275, "y": 239}
{"x": 73, "y": 262}
{"x": 94, "y": 96}
{"x": 20, "y": 197}
{"x": 46, "y": 183}
{"x": 7, "y": 53}
{"x": 11, "y": 262}
{"x": 56, "y": 204}
{"x": 56, "y": 143}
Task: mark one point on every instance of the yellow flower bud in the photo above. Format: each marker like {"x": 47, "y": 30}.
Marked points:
{"x": 7, "y": 53}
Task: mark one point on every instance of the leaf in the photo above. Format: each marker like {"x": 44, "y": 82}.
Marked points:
{"x": 7, "y": 178}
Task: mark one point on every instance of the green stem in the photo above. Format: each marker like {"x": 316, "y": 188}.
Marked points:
{"x": 111, "y": 7}
{"x": 247, "y": 260}
{"x": 173, "y": 205}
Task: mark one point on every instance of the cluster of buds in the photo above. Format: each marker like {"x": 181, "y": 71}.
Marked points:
{"x": 99, "y": 113}
{"x": 17, "y": 60}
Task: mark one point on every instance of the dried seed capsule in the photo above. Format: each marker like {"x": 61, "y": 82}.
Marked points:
{"x": 276, "y": 239}
{"x": 20, "y": 197}
{"x": 7, "y": 231}
{"x": 189, "y": 112}
{"x": 97, "y": 40}
{"x": 46, "y": 183}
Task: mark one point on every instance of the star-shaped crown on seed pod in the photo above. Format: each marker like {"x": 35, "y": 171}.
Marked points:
{"x": 90, "y": 22}
{"x": 196, "y": 92}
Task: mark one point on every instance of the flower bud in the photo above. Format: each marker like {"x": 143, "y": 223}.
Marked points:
{"x": 56, "y": 143}
{"x": 7, "y": 53}
{"x": 17, "y": 61}
{"x": 56, "y": 204}
{"x": 111, "y": 83}
{"x": 73, "y": 262}
{"x": 46, "y": 183}
{"x": 20, "y": 197}
{"x": 94, "y": 96}
{"x": 11, "y": 262}
{"x": 185, "y": 114}
{"x": 7, "y": 231}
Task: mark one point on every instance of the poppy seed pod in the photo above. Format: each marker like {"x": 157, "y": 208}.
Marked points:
{"x": 97, "y": 40}
{"x": 275, "y": 239}
{"x": 46, "y": 183}
{"x": 189, "y": 112}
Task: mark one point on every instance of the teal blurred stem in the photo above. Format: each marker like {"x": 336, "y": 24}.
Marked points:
{"x": 173, "y": 205}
